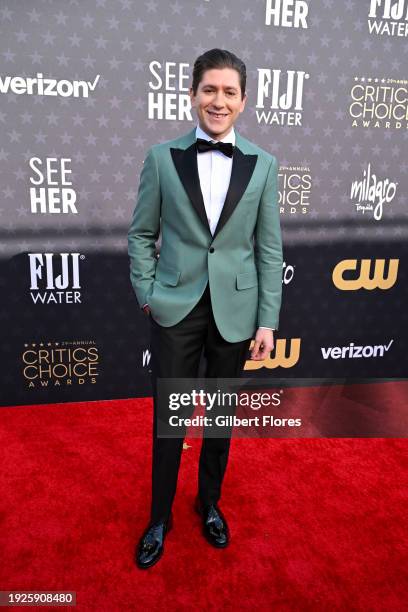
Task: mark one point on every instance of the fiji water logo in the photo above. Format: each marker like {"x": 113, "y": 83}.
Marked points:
{"x": 388, "y": 17}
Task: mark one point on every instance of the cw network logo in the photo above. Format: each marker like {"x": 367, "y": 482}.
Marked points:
{"x": 280, "y": 358}
{"x": 40, "y": 86}
{"x": 353, "y": 351}
{"x": 370, "y": 274}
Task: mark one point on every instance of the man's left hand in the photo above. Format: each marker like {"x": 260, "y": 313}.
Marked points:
{"x": 263, "y": 345}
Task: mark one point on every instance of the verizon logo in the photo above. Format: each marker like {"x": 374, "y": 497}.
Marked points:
{"x": 353, "y": 351}
{"x": 40, "y": 86}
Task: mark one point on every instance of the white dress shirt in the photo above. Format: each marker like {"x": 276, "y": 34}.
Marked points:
{"x": 214, "y": 170}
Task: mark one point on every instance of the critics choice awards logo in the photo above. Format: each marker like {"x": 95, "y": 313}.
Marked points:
{"x": 388, "y": 17}
{"x": 60, "y": 364}
{"x": 294, "y": 190}
{"x": 379, "y": 103}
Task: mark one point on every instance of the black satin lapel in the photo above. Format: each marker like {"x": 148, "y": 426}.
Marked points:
{"x": 241, "y": 172}
{"x": 185, "y": 161}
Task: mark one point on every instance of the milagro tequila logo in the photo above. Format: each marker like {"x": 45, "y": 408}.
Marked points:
{"x": 370, "y": 194}
{"x": 286, "y": 13}
{"x": 379, "y": 103}
{"x": 295, "y": 183}
{"x": 55, "y": 280}
{"x": 42, "y": 86}
{"x": 388, "y": 17}
{"x": 166, "y": 99}
{"x": 282, "y": 92}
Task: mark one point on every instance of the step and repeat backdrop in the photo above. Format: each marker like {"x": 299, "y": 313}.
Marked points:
{"x": 86, "y": 86}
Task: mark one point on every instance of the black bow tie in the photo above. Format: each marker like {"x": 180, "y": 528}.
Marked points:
{"x": 206, "y": 145}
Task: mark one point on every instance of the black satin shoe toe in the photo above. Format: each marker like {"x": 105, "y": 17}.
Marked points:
{"x": 215, "y": 527}
{"x": 151, "y": 545}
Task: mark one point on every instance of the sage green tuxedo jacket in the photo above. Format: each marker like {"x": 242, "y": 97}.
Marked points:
{"x": 242, "y": 261}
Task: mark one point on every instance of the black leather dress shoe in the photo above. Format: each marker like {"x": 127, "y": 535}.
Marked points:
{"x": 215, "y": 528}
{"x": 151, "y": 544}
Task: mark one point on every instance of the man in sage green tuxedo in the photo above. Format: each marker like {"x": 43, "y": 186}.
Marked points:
{"x": 217, "y": 283}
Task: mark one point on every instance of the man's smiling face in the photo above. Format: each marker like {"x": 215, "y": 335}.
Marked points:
{"x": 218, "y": 101}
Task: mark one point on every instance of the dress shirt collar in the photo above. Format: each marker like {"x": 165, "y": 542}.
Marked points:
{"x": 230, "y": 137}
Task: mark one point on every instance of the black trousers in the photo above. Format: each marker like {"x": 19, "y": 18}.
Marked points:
{"x": 175, "y": 353}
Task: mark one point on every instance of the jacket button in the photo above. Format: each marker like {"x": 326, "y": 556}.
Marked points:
{"x": 212, "y": 249}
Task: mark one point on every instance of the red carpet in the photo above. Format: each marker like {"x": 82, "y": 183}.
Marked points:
{"x": 331, "y": 517}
